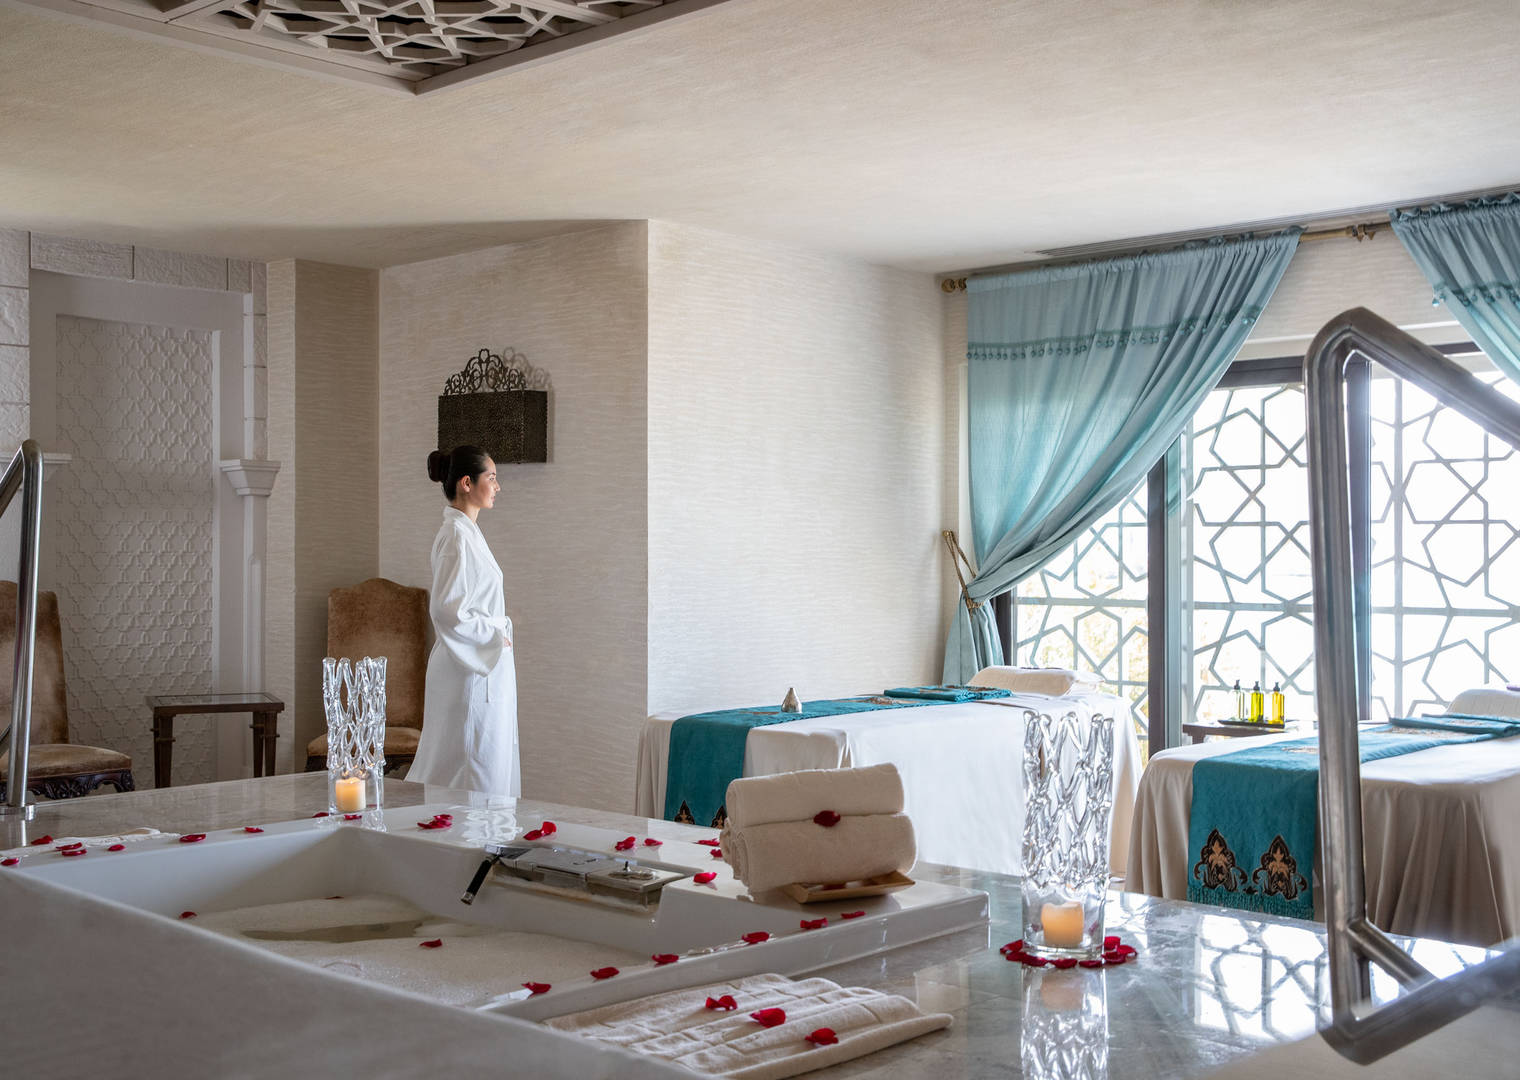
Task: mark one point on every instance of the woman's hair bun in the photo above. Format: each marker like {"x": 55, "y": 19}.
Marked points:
{"x": 438, "y": 466}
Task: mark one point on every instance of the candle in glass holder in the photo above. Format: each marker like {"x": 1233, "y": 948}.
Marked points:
{"x": 1063, "y": 924}
{"x": 348, "y": 793}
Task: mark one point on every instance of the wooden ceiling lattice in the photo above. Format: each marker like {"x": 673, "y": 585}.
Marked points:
{"x": 411, "y": 45}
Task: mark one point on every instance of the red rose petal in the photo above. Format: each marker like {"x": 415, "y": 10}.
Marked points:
{"x": 665, "y": 958}
{"x": 813, "y": 924}
{"x": 320, "y": 813}
{"x": 1065, "y": 963}
{"x": 726, "y": 1002}
{"x": 604, "y": 973}
{"x": 1111, "y": 942}
{"x": 626, "y": 843}
{"x": 252, "y": 828}
{"x": 443, "y": 817}
{"x": 1128, "y": 951}
{"x": 1033, "y": 961}
{"x": 1020, "y": 956}
{"x": 117, "y": 847}
{"x": 352, "y": 817}
{"x": 1090, "y": 963}
{"x": 709, "y": 843}
{"x": 534, "y": 989}
{"x": 716, "y": 853}
{"x": 769, "y": 1017}
{"x": 755, "y": 937}
{"x": 429, "y": 825}
{"x": 1115, "y": 958}
{"x": 41, "y": 840}
{"x": 192, "y": 838}
{"x": 533, "y": 834}
{"x": 851, "y": 914}
{"x": 75, "y": 851}
{"x": 548, "y": 828}
{"x": 822, "y": 1037}
{"x": 12, "y": 861}
{"x": 827, "y": 818}
{"x": 187, "y": 914}
{"x": 651, "y": 842}
{"x": 436, "y": 943}
{"x": 1015, "y": 946}
{"x": 69, "y": 847}
{"x": 332, "y": 898}
{"x": 704, "y": 878}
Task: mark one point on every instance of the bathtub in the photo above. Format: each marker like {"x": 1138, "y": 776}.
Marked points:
{"x": 388, "y": 854}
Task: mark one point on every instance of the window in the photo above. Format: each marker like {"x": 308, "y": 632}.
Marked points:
{"x": 1446, "y": 561}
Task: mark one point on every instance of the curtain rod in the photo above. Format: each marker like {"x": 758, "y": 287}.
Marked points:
{"x": 1364, "y": 230}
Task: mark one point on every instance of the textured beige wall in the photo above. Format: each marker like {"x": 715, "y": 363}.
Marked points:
{"x": 324, "y": 513}
{"x": 570, "y": 535}
{"x": 797, "y": 428}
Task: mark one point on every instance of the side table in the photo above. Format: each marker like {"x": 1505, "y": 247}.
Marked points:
{"x": 266, "y": 709}
{"x": 1202, "y": 729}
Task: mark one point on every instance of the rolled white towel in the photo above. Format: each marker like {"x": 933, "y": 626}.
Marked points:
{"x": 797, "y": 796}
{"x": 769, "y": 856}
{"x": 1053, "y": 681}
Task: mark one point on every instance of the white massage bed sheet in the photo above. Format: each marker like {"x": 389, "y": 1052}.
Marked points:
{"x": 961, "y": 767}
{"x": 1441, "y": 848}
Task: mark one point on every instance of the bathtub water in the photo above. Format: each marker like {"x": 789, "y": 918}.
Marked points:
{"x": 402, "y": 885}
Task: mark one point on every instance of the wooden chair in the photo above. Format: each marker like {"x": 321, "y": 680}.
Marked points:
{"x": 381, "y": 618}
{"x": 56, "y": 768}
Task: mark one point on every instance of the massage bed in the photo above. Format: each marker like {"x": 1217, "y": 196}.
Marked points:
{"x": 1441, "y": 831}
{"x": 961, "y": 767}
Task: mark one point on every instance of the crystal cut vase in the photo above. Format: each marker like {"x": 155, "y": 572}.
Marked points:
{"x": 353, "y": 695}
{"x": 1065, "y": 1026}
{"x": 1068, "y": 800}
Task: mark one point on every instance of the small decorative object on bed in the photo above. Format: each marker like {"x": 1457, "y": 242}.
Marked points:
{"x": 501, "y": 405}
{"x": 790, "y": 702}
{"x": 1068, "y": 797}
{"x": 354, "y": 698}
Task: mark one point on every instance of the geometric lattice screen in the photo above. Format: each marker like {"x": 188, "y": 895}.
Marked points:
{"x": 412, "y": 45}
{"x": 1445, "y": 550}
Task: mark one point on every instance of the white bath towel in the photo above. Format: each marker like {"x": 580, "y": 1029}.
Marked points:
{"x": 797, "y": 796}
{"x": 678, "y": 1027}
{"x": 1053, "y": 681}
{"x": 768, "y": 856}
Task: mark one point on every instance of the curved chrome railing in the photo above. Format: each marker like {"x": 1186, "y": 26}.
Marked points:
{"x": 23, "y": 474}
{"x": 1357, "y": 1030}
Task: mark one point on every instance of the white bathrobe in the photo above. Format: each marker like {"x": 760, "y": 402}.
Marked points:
{"x": 469, "y": 715}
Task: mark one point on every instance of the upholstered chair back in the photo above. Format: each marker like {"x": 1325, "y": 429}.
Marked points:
{"x": 381, "y": 618}
{"x": 50, "y": 710}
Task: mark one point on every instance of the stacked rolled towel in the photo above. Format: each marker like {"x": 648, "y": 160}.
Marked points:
{"x": 1056, "y": 682}
{"x": 775, "y": 833}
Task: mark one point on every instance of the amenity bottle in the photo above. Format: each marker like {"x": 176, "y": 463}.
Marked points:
{"x": 1275, "y": 709}
{"x": 1240, "y": 702}
{"x": 1256, "y": 704}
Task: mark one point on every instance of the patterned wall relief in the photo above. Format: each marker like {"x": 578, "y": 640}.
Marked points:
{"x": 131, "y": 521}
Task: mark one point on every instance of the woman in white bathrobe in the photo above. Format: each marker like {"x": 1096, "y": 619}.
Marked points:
{"x": 469, "y": 714}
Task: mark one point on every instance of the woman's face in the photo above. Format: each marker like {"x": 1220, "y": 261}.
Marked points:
{"x": 482, "y": 489}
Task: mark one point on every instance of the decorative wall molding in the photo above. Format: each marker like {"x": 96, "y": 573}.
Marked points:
{"x": 249, "y": 477}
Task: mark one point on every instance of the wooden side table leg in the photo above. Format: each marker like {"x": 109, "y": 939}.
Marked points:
{"x": 257, "y": 727}
{"x": 163, "y": 750}
{"x": 269, "y": 724}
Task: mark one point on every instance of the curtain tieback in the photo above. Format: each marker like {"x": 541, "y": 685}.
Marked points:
{"x": 957, "y": 559}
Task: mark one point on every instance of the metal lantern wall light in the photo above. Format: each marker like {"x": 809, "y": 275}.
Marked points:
{"x": 500, "y": 405}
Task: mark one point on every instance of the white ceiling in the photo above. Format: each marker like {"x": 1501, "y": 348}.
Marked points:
{"x": 931, "y": 135}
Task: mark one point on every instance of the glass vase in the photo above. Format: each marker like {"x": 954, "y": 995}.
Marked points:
{"x": 1065, "y": 1027}
{"x": 1068, "y": 800}
{"x": 353, "y": 695}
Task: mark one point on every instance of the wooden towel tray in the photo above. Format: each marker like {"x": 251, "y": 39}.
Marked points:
{"x": 883, "y": 883}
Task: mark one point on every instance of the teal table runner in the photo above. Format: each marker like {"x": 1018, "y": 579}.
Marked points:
{"x": 1255, "y": 812}
{"x": 707, "y": 749}
{"x": 947, "y": 693}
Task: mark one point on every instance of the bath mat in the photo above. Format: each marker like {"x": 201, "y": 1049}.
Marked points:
{"x": 678, "y": 1026}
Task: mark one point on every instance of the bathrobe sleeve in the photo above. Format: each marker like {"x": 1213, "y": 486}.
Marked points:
{"x": 464, "y": 624}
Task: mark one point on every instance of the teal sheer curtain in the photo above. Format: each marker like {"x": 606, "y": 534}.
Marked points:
{"x": 1471, "y": 256}
{"x": 1079, "y": 379}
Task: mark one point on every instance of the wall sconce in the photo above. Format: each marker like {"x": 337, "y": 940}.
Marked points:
{"x": 500, "y": 405}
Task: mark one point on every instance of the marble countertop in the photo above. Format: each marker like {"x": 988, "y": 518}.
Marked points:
{"x": 1207, "y": 989}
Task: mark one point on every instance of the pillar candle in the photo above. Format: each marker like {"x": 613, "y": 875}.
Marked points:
{"x": 1063, "y": 924}
{"x": 348, "y": 793}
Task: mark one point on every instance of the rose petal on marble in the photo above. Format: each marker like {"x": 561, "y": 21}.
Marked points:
{"x": 1065, "y": 963}
{"x": 1090, "y": 963}
{"x": 1127, "y": 951}
{"x": 1016, "y": 955}
{"x": 436, "y": 943}
{"x": 69, "y": 847}
{"x": 755, "y": 937}
{"x": 604, "y": 973}
{"x": 813, "y": 924}
{"x": 332, "y": 898}
{"x": 534, "y": 989}
{"x": 192, "y": 838}
{"x": 851, "y": 914}
{"x": 40, "y": 841}
{"x": 827, "y": 818}
{"x": 320, "y": 813}
{"x": 352, "y": 817}
{"x": 769, "y": 1017}
{"x": 252, "y": 828}
{"x": 12, "y": 861}
{"x": 726, "y": 1002}
{"x": 1033, "y": 961}
{"x": 709, "y": 843}
{"x": 822, "y": 1037}
{"x": 716, "y": 853}
{"x": 704, "y": 877}
{"x": 548, "y": 828}
{"x": 665, "y": 958}
{"x": 533, "y": 834}
{"x": 117, "y": 847}
{"x": 187, "y": 914}
{"x": 74, "y": 851}
{"x": 1017, "y": 945}
{"x": 650, "y": 841}
{"x": 625, "y": 843}
{"x": 1115, "y": 958}
{"x": 431, "y": 825}
{"x": 1111, "y": 942}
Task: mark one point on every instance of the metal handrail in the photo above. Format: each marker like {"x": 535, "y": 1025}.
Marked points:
{"x": 23, "y": 474}
{"x": 1357, "y": 1031}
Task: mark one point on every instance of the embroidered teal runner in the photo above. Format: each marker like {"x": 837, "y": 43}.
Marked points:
{"x": 707, "y": 749}
{"x": 1255, "y": 812}
{"x": 947, "y": 693}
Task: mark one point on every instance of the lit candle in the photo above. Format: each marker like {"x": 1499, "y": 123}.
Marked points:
{"x": 348, "y": 793}
{"x": 1062, "y": 924}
